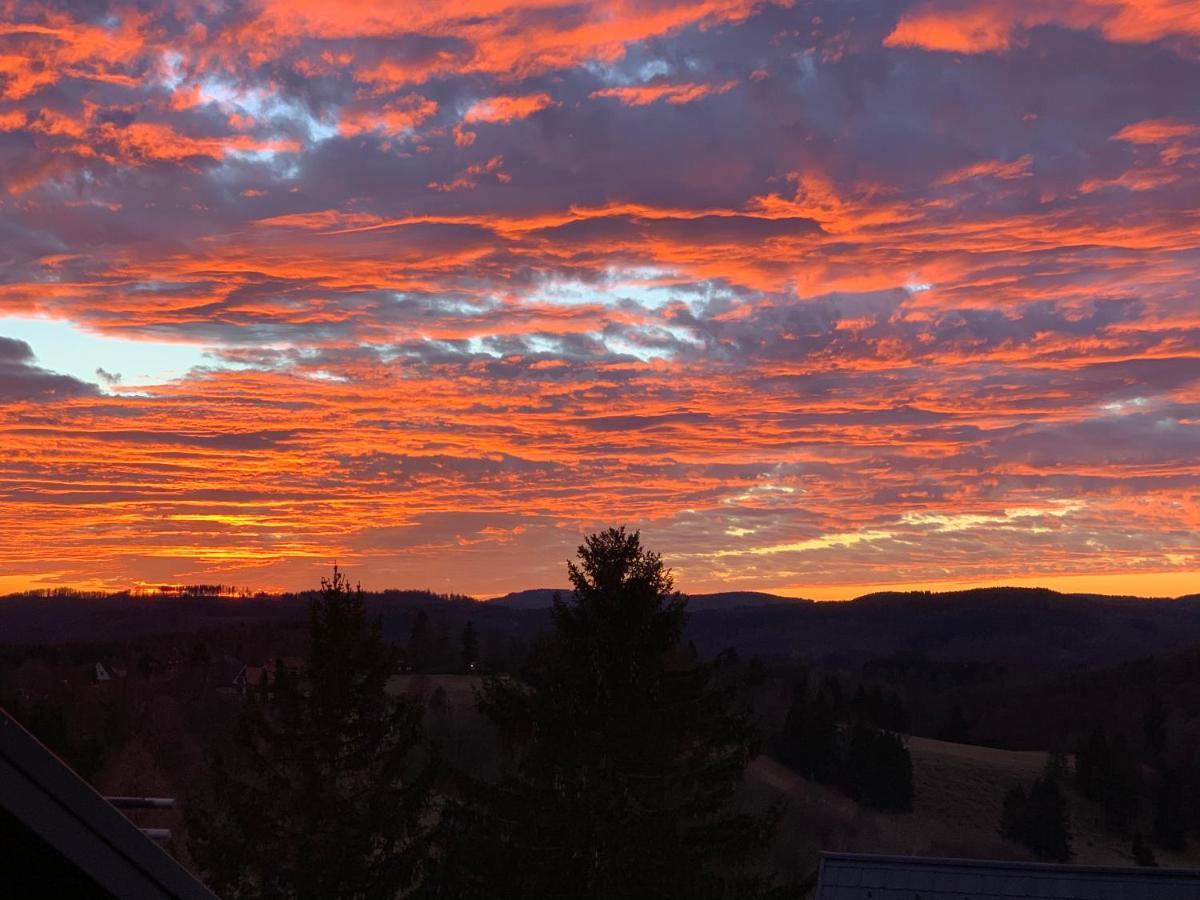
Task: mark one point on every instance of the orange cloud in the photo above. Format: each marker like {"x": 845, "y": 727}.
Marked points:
{"x": 1018, "y": 168}
{"x": 503, "y": 109}
{"x": 645, "y": 94}
{"x": 1157, "y": 131}
{"x": 57, "y": 46}
{"x": 512, "y": 40}
{"x": 144, "y": 142}
{"x": 396, "y": 116}
{"x": 980, "y": 27}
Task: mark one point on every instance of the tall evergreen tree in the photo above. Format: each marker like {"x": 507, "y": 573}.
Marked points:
{"x": 320, "y": 795}
{"x": 628, "y": 753}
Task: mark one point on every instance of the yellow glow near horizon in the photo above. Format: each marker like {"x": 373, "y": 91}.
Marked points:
{"x": 1132, "y": 584}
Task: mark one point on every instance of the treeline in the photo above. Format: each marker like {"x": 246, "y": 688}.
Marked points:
{"x": 1125, "y": 739}
{"x": 432, "y": 647}
{"x": 1134, "y": 735}
{"x": 1038, "y": 816}
{"x": 64, "y": 593}
{"x": 852, "y": 742}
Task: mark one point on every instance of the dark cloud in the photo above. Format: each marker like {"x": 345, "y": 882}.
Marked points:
{"x": 22, "y": 380}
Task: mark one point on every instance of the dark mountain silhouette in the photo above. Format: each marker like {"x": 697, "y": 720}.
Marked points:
{"x": 542, "y": 598}
{"x": 533, "y": 598}
{"x": 1023, "y": 628}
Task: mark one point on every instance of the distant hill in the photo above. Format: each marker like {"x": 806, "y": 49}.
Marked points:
{"x": 738, "y": 599}
{"x": 534, "y": 598}
{"x": 1024, "y": 629}
{"x": 542, "y": 598}
{"x": 1031, "y": 629}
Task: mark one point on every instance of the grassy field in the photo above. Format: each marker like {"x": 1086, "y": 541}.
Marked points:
{"x": 458, "y": 691}
{"x": 959, "y": 790}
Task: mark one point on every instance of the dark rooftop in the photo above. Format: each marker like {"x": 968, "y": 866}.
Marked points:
{"x": 852, "y": 876}
{"x": 62, "y": 839}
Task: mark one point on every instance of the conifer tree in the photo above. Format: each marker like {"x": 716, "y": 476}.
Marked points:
{"x": 1048, "y": 828}
{"x": 470, "y": 647}
{"x": 1039, "y": 819}
{"x": 876, "y": 769}
{"x": 628, "y": 753}
{"x": 1171, "y": 811}
{"x": 1092, "y": 762}
{"x": 1119, "y": 794}
{"x": 1012, "y": 814}
{"x": 420, "y": 643}
{"x": 958, "y": 729}
{"x": 319, "y": 795}
{"x": 1142, "y": 852}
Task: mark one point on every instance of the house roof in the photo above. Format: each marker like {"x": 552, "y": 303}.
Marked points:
{"x": 59, "y": 816}
{"x": 853, "y": 876}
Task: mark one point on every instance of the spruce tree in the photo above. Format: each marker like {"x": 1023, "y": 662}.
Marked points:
{"x": 319, "y": 794}
{"x": 628, "y": 753}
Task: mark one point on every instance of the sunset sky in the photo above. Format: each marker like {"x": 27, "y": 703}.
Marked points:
{"x": 823, "y": 297}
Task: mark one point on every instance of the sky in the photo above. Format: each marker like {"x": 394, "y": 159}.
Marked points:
{"x": 824, "y": 297}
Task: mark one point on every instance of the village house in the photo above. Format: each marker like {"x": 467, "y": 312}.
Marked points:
{"x": 249, "y": 678}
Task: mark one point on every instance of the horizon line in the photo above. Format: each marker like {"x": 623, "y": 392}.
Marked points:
{"x": 1181, "y": 584}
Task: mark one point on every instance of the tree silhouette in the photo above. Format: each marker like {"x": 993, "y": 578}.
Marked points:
{"x": 628, "y": 753}
{"x": 1143, "y": 855}
{"x": 810, "y": 736}
{"x": 1092, "y": 762}
{"x": 876, "y": 769}
{"x": 319, "y": 795}
{"x": 958, "y": 729}
{"x": 1171, "y": 811}
{"x": 420, "y": 643}
{"x": 1013, "y": 814}
{"x": 1119, "y": 793}
{"x": 867, "y": 761}
{"x": 1039, "y": 818}
{"x": 470, "y": 647}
